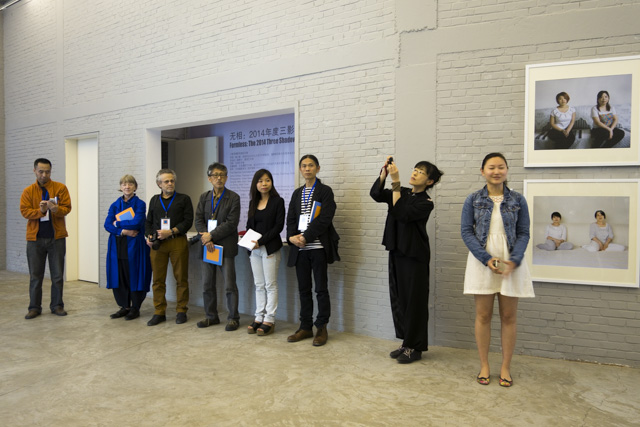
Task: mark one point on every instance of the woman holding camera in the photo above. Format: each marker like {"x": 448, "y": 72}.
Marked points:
{"x": 128, "y": 265}
{"x": 495, "y": 228}
{"x": 405, "y": 237}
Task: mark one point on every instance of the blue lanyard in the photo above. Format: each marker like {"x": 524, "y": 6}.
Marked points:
{"x": 305, "y": 199}
{"x": 213, "y": 210}
{"x": 45, "y": 194}
{"x": 166, "y": 210}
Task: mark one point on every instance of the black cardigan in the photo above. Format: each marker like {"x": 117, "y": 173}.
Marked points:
{"x": 320, "y": 228}
{"x": 274, "y": 212}
{"x": 405, "y": 230}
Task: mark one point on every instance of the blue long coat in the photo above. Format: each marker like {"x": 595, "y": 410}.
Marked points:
{"x": 139, "y": 261}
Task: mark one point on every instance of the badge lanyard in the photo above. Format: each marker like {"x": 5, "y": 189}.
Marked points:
{"x": 303, "y": 221}
{"x": 166, "y": 210}
{"x": 304, "y": 192}
{"x": 213, "y": 210}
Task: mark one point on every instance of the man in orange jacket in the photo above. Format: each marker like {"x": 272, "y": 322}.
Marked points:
{"x": 44, "y": 204}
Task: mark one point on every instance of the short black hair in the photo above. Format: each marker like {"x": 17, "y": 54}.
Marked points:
{"x": 491, "y": 156}
{"x": 218, "y": 166}
{"x": 309, "y": 156}
{"x": 41, "y": 160}
{"x": 432, "y": 171}
{"x": 556, "y": 214}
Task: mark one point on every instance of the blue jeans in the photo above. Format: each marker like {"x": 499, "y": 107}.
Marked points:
{"x": 265, "y": 277}
{"x": 37, "y": 254}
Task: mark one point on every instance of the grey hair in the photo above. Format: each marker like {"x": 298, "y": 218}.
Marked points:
{"x": 163, "y": 171}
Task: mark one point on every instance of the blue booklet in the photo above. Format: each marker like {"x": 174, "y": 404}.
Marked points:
{"x": 125, "y": 215}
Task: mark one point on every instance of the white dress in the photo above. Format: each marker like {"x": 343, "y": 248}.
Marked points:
{"x": 479, "y": 279}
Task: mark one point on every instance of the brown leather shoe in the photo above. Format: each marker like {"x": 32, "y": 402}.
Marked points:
{"x": 59, "y": 311}
{"x": 31, "y": 314}
{"x": 321, "y": 336}
{"x": 300, "y": 335}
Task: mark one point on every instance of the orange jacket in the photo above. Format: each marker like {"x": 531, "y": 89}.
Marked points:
{"x": 30, "y": 208}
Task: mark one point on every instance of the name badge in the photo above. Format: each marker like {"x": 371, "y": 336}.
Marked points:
{"x": 211, "y": 225}
{"x": 165, "y": 224}
{"x": 303, "y": 223}
{"x": 45, "y": 217}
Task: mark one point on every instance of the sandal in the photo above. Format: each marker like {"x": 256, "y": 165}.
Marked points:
{"x": 265, "y": 329}
{"x": 253, "y": 328}
{"x": 483, "y": 380}
{"x": 505, "y": 382}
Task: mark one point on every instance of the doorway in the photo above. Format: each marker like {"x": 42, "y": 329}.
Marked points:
{"x": 83, "y": 223}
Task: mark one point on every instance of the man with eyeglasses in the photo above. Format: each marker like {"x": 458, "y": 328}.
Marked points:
{"x": 217, "y": 217}
{"x": 44, "y": 204}
{"x": 170, "y": 217}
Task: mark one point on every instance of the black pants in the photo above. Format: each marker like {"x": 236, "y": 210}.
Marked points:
{"x": 308, "y": 262}
{"x": 409, "y": 292}
{"x": 601, "y": 137}
{"x": 561, "y": 141}
{"x": 123, "y": 294}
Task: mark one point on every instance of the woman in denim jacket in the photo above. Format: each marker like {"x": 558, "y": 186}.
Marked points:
{"x": 495, "y": 228}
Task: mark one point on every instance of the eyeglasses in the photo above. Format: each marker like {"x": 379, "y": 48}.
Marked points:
{"x": 218, "y": 175}
{"x": 421, "y": 172}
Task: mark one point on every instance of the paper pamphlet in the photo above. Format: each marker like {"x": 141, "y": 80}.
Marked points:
{"x": 246, "y": 241}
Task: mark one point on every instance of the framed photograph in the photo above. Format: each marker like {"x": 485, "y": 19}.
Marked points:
{"x": 584, "y": 231}
{"x": 583, "y": 113}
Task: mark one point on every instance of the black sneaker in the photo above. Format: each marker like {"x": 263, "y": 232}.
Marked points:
{"x": 397, "y": 352}
{"x": 409, "y": 355}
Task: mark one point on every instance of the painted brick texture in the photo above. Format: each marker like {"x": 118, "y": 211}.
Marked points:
{"x": 30, "y": 58}
{"x": 173, "y": 41}
{"x": 459, "y": 13}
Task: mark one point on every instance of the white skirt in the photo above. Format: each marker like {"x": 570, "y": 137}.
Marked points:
{"x": 479, "y": 279}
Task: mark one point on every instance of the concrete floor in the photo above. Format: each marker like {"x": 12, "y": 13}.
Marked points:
{"x": 88, "y": 370}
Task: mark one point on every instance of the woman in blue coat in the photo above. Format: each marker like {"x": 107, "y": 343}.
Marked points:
{"x": 128, "y": 263}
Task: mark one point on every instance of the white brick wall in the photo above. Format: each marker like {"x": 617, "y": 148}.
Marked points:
{"x": 3, "y": 193}
{"x": 462, "y": 12}
{"x": 171, "y": 41}
{"x": 30, "y": 57}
